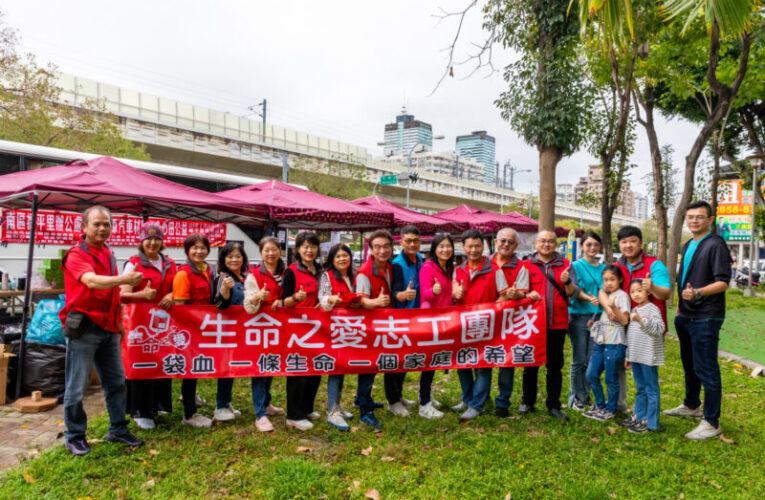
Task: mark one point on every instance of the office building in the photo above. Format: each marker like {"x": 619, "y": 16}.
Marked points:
{"x": 481, "y": 147}
{"x": 406, "y": 132}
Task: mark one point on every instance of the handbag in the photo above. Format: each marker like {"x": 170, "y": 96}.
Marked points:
{"x": 75, "y": 324}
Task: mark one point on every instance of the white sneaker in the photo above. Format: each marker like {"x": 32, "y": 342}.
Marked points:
{"x": 336, "y": 420}
{"x": 162, "y": 412}
{"x": 272, "y": 410}
{"x": 408, "y": 403}
{"x": 429, "y": 411}
{"x": 344, "y": 413}
{"x": 144, "y": 423}
{"x": 223, "y": 415}
{"x": 684, "y": 411}
{"x": 314, "y": 415}
{"x": 264, "y": 425}
{"x": 703, "y": 431}
{"x": 460, "y": 407}
{"x": 197, "y": 421}
{"x": 398, "y": 409}
{"x": 469, "y": 414}
{"x": 200, "y": 401}
{"x": 301, "y": 425}
{"x": 435, "y": 403}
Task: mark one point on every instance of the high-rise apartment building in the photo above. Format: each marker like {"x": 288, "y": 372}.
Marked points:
{"x": 642, "y": 207}
{"x": 565, "y": 193}
{"x": 406, "y": 132}
{"x": 481, "y": 147}
{"x": 593, "y": 183}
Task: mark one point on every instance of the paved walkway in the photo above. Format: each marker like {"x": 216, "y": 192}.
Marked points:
{"x": 25, "y": 435}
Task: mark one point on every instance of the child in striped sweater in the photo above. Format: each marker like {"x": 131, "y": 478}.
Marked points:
{"x": 645, "y": 353}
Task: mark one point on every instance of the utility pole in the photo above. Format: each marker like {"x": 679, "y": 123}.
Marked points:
{"x": 262, "y": 114}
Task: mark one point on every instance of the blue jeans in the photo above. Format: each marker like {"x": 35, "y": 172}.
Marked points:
{"x": 261, "y": 394}
{"x": 101, "y": 349}
{"x": 606, "y": 357}
{"x": 334, "y": 390}
{"x": 647, "y": 402}
{"x": 364, "y": 393}
{"x": 581, "y": 350}
{"x": 475, "y": 391}
{"x": 505, "y": 382}
{"x": 223, "y": 396}
{"x": 699, "y": 338}
{"x": 426, "y": 382}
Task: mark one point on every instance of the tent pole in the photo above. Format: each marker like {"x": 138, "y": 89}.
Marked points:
{"x": 27, "y": 297}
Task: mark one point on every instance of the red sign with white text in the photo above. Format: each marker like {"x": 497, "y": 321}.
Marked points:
{"x": 202, "y": 341}
{"x": 64, "y": 228}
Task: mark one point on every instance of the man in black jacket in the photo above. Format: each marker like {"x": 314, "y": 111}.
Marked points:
{"x": 702, "y": 280}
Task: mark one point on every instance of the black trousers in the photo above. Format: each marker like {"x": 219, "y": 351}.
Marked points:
{"x": 189, "y": 393}
{"x": 394, "y": 386}
{"x": 301, "y": 394}
{"x": 146, "y": 397}
{"x": 555, "y": 341}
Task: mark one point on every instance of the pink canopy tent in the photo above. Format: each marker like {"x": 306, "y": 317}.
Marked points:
{"x": 293, "y": 207}
{"x": 402, "y": 216}
{"x": 119, "y": 187}
{"x": 485, "y": 221}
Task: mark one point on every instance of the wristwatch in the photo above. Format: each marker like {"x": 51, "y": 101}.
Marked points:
{"x": 696, "y": 294}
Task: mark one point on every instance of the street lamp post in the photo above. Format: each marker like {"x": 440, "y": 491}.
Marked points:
{"x": 409, "y": 166}
{"x": 754, "y": 160}
{"x": 513, "y": 169}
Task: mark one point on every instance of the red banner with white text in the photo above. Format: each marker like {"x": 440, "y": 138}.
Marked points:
{"x": 202, "y": 341}
{"x": 64, "y": 228}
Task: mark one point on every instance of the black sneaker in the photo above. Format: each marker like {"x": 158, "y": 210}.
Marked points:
{"x": 78, "y": 446}
{"x": 556, "y": 413}
{"x": 629, "y": 421}
{"x": 501, "y": 412}
{"x": 125, "y": 438}
{"x": 638, "y": 428}
{"x": 525, "y": 409}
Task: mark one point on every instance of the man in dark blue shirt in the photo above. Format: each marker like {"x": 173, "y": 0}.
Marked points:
{"x": 702, "y": 280}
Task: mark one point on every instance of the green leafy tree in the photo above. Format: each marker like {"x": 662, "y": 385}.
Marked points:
{"x": 32, "y": 110}
{"x": 547, "y": 101}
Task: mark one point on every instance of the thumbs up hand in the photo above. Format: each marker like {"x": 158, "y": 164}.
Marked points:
{"x": 436, "y": 287}
{"x": 263, "y": 294}
{"x": 410, "y": 293}
{"x": 689, "y": 293}
{"x": 458, "y": 290}
{"x": 149, "y": 293}
{"x": 228, "y": 282}
{"x": 636, "y": 317}
{"x": 133, "y": 278}
{"x": 647, "y": 283}
{"x": 565, "y": 276}
{"x": 383, "y": 300}
{"x": 300, "y": 295}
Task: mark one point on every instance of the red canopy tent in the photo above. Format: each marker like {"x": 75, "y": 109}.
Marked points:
{"x": 485, "y": 221}
{"x": 119, "y": 187}
{"x": 402, "y": 216}
{"x": 293, "y": 207}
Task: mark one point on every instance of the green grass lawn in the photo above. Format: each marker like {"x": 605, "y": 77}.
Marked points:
{"x": 743, "y": 332}
{"x": 527, "y": 457}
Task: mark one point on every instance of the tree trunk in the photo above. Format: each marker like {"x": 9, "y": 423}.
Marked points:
{"x": 548, "y": 161}
{"x": 606, "y": 212}
{"x": 646, "y": 100}
{"x": 725, "y": 97}
{"x": 756, "y": 143}
{"x": 715, "y": 175}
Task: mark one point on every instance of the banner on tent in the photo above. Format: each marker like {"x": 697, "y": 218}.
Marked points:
{"x": 202, "y": 341}
{"x": 63, "y": 228}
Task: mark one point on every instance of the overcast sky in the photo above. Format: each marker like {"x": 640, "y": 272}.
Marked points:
{"x": 340, "y": 69}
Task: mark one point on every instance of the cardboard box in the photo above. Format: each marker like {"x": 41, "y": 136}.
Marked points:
{"x": 4, "y": 358}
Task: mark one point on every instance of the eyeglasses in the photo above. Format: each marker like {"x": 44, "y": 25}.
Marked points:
{"x": 547, "y": 242}
{"x": 380, "y": 247}
{"x": 410, "y": 241}
{"x": 503, "y": 241}
{"x": 696, "y": 217}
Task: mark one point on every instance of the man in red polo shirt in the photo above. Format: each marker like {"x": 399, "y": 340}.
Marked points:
{"x": 517, "y": 277}
{"x": 91, "y": 317}
{"x": 549, "y": 277}
{"x": 476, "y": 282}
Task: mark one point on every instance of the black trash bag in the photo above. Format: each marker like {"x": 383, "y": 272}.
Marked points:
{"x": 44, "y": 366}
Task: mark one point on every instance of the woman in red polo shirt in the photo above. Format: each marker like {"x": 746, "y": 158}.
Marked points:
{"x": 301, "y": 289}
{"x": 263, "y": 292}
{"x": 193, "y": 285}
{"x": 147, "y": 398}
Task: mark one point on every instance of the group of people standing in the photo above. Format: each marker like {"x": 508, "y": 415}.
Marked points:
{"x": 585, "y": 300}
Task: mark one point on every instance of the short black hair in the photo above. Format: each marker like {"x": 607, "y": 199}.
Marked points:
{"x": 472, "y": 234}
{"x": 627, "y": 231}
{"x": 700, "y": 204}
{"x": 592, "y": 235}
{"x": 615, "y": 270}
{"x": 410, "y": 229}
{"x": 381, "y": 233}
{"x": 307, "y": 237}
{"x": 193, "y": 239}
{"x": 226, "y": 250}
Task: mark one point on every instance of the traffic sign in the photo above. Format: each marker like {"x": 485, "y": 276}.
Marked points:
{"x": 387, "y": 180}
